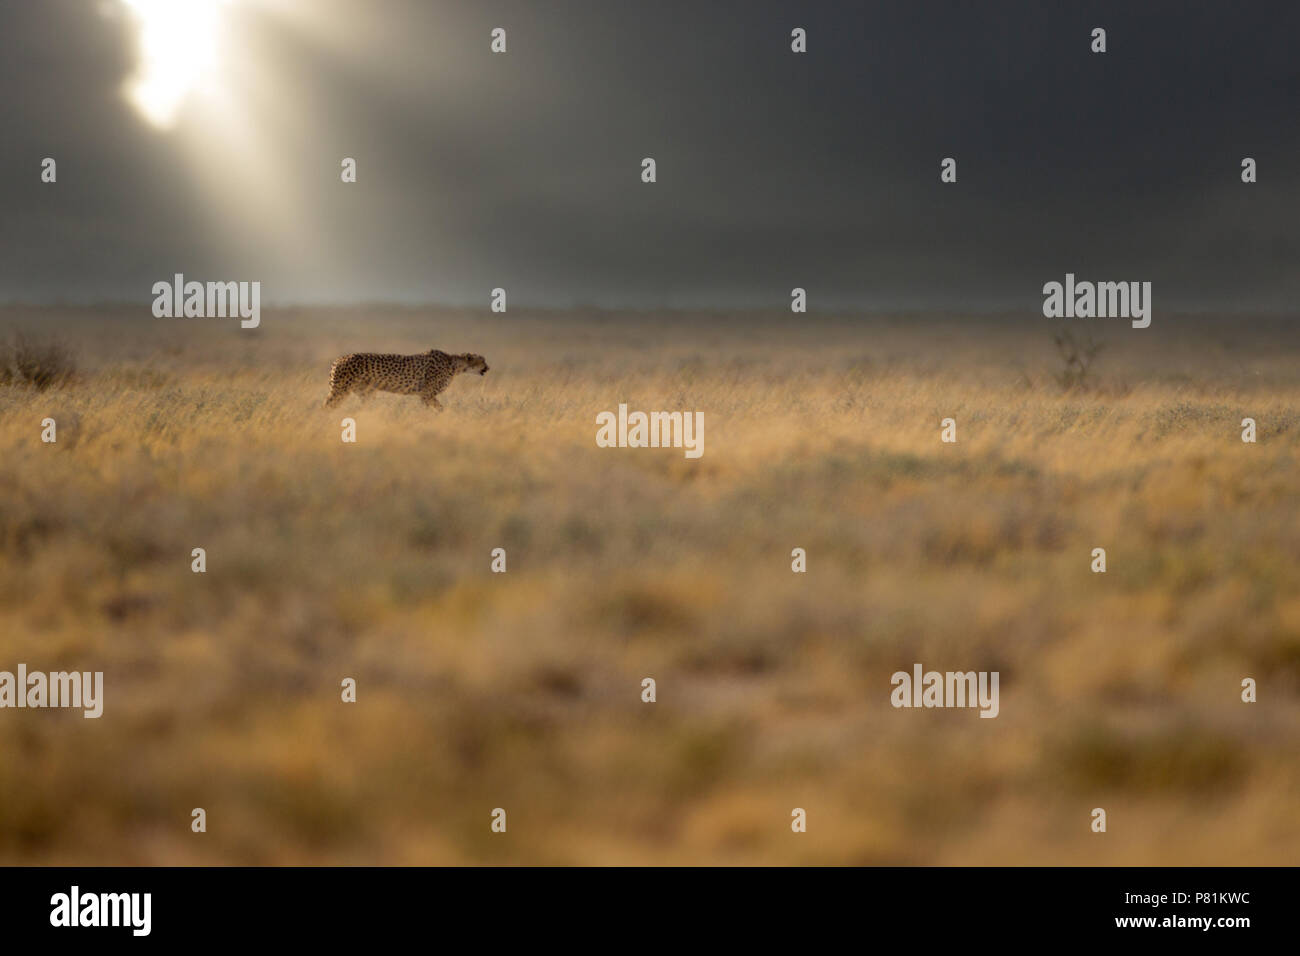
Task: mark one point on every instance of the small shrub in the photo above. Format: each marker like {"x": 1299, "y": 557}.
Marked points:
{"x": 41, "y": 365}
{"x": 1078, "y": 358}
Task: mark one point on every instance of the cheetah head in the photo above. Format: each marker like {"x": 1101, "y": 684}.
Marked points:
{"x": 474, "y": 363}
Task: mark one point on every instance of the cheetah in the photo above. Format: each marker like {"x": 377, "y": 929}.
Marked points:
{"x": 425, "y": 374}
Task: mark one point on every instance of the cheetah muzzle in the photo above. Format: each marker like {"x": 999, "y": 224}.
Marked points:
{"x": 426, "y": 374}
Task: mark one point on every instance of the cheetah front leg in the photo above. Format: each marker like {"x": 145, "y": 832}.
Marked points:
{"x": 429, "y": 389}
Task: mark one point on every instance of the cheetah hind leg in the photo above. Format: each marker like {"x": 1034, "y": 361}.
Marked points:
{"x": 335, "y": 396}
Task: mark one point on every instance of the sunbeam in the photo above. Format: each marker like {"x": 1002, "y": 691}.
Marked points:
{"x": 177, "y": 44}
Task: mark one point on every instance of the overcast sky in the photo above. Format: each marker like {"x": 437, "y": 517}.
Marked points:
{"x": 775, "y": 169}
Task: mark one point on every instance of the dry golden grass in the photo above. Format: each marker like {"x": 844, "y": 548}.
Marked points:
{"x": 522, "y": 690}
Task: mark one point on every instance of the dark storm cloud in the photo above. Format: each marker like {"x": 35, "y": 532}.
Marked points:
{"x": 775, "y": 170}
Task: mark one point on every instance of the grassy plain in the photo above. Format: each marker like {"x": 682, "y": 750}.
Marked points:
{"x": 522, "y": 690}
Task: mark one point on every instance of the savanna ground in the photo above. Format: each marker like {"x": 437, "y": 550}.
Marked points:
{"x": 522, "y": 690}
